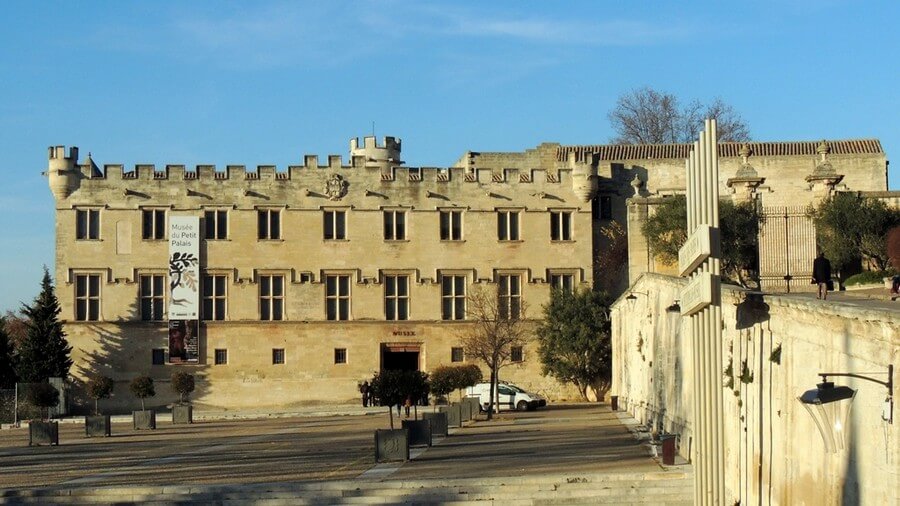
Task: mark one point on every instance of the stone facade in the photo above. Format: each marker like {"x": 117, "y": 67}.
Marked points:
{"x": 100, "y": 239}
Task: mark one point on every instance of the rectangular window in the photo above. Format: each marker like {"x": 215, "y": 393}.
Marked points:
{"x": 451, "y": 225}
{"x": 560, "y": 225}
{"x": 271, "y": 298}
{"x": 605, "y": 208}
{"x": 269, "y": 223}
{"x": 456, "y": 354}
{"x": 340, "y": 355}
{"x": 508, "y": 225}
{"x": 396, "y": 297}
{"x": 87, "y": 297}
{"x": 159, "y": 356}
{"x": 154, "y": 224}
{"x": 509, "y": 297}
{"x": 453, "y": 297}
{"x": 564, "y": 282}
{"x": 394, "y": 225}
{"x": 277, "y": 356}
{"x": 215, "y": 224}
{"x": 153, "y": 300}
{"x": 516, "y": 354}
{"x": 221, "y": 357}
{"x": 337, "y": 297}
{"x": 214, "y": 297}
{"x": 87, "y": 224}
{"x": 335, "y": 225}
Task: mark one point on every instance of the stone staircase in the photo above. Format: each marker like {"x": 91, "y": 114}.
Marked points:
{"x": 670, "y": 487}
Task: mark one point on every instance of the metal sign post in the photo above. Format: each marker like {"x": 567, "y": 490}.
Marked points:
{"x": 699, "y": 260}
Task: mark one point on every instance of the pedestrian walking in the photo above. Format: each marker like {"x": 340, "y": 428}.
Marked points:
{"x": 821, "y": 275}
{"x": 364, "y": 390}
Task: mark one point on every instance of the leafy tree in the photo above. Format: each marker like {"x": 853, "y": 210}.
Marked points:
{"x": 99, "y": 387}
{"x": 44, "y": 396}
{"x": 893, "y": 247}
{"x": 467, "y": 376}
{"x": 7, "y": 358}
{"x": 648, "y": 116}
{"x": 493, "y": 336}
{"x": 16, "y": 327}
{"x": 666, "y": 232}
{"x": 574, "y": 339}
{"x": 142, "y": 387}
{"x": 851, "y": 229}
{"x": 446, "y": 379}
{"x": 183, "y": 384}
{"x": 391, "y": 388}
{"x": 45, "y": 352}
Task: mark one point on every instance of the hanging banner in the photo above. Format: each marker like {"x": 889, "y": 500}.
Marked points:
{"x": 184, "y": 343}
{"x": 184, "y": 267}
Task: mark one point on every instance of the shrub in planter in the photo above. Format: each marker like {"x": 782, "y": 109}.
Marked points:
{"x": 44, "y": 396}
{"x": 142, "y": 387}
{"x": 391, "y": 444}
{"x": 419, "y": 431}
{"x": 99, "y": 387}
{"x": 393, "y": 388}
{"x": 183, "y": 384}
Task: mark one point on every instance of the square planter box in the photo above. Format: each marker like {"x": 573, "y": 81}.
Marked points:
{"x": 97, "y": 426}
{"x": 473, "y": 404}
{"x": 465, "y": 412}
{"x": 43, "y": 433}
{"x": 391, "y": 445}
{"x": 419, "y": 432}
{"x": 144, "y": 420}
{"x": 182, "y": 414}
{"x": 454, "y": 415}
{"x": 438, "y": 422}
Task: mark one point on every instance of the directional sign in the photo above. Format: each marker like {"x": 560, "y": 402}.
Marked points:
{"x": 697, "y": 294}
{"x": 696, "y": 249}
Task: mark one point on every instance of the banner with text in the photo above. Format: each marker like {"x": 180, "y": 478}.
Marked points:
{"x": 184, "y": 288}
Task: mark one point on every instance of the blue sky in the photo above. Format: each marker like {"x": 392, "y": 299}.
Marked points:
{"x": 267, "y": 82}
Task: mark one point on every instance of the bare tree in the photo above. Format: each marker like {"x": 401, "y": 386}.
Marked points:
{"x": 498, "y": 327}
{"x": 647, "y": 116}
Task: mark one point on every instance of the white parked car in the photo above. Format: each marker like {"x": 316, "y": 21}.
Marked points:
{"x": 511, "y": 397}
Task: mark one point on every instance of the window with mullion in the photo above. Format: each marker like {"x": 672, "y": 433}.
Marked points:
{"x": 396, "y": 297}
{"x": 87, "y": 297}
{"x": 509, "y": 296}
{"x": 564, "y": 282}
{"x": 269, "y": 224}
{"x": 335, "y": 225}
{"x": 271, "y": 298}
{"x": 214, "y": 297}
{"x": 87, "y": 224}
{"x": 508, "y": 225}
{"x": 215, "y": 224}
{"x": 337, "y": 297}
{"x": 154, "y": 224}
{"x": 153, "y": 299}
{"x": 451, "y": 225}
{"x": 453, "y": 297}
{"x": 560, "y": 225}
{"x": 394, "y": 225}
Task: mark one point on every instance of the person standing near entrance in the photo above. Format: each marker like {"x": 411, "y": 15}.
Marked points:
{"x": 364, "y": 390}
{"x": 821, "y": 275}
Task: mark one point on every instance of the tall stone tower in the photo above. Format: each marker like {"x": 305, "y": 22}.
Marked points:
{"x": 62, "y": 171}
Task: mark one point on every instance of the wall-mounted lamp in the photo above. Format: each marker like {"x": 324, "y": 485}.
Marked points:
{"x": 675, "y": 307}
{"x": 829, "y": 406}
{"x": 632, "y": 296}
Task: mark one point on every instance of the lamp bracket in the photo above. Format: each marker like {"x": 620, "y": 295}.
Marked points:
{"x": 889, "y": 383}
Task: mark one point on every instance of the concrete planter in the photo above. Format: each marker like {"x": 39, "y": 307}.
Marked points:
{"x": 391, "y": 445}
{"x": 474, "y": 406}
{"x": 43, "y": 433}
{"x": 144, "y": 420}
{"x": 182, "y": 414}
{"x": 419, "y": 432}
{"x": 465, "y": 412}
{"x": 97, "y": 426}
{"x": 454, "y": 414}
{"x": 438, "y": 423}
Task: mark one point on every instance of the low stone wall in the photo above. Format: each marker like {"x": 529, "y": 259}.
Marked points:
{"x": 775, "y": 346}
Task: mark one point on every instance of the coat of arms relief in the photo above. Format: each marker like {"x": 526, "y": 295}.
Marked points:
{"x": 336, "y": 187}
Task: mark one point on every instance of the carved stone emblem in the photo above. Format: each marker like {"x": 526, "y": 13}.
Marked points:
{"x": 336, "y": 187}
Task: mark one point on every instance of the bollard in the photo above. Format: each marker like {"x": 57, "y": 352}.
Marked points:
{"x": 668, "y": 449}
{"x": 614, "y": 402}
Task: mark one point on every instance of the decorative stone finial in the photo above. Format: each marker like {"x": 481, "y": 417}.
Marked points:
{"x": 822, "y": 149}
{"x": 745, "y": 152}
{"x": 636, "y": 183}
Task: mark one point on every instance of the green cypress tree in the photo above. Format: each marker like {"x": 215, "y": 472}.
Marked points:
{"x": 7, "y": 358}
{"x": 45, "y": 351}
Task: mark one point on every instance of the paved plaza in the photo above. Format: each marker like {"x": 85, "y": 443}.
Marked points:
{"x": 562, "y": 438}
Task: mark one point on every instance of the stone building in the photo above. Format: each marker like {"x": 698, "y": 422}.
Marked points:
{"x": 315, "y": 277}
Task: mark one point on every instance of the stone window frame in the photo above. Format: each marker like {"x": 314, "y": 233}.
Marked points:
{"x": 279, "y": 357}
{"x": 340, "y": 356}
{"x": 337, "y": 219}
{"x": 397, "y": 297}
{"x": 153, "y": 224}
{"x": 213, "y": 297}
{"x": 88, "y": 298}
{"x": 337, "y": 297}
{"x": 264, "y": 223}
{"x": 562, "y": 225}
{"x": 447, "y": 223}
{"x": 517, "y": 354}
{"x": 455, "y": 313}
{"x": 158, "y": 308}
{"x": 88, "y": 223}
{"x": 556, "y": 279}
{"x": 509, "y": 229}
{"x": 220, "y": 356}
{"x": 509, "y": 303}
{"x": 391, "y": 231}
{"x": 274, "y": 300}
{"x": 457, "y": 354}
{"x": 217, "y": 217}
